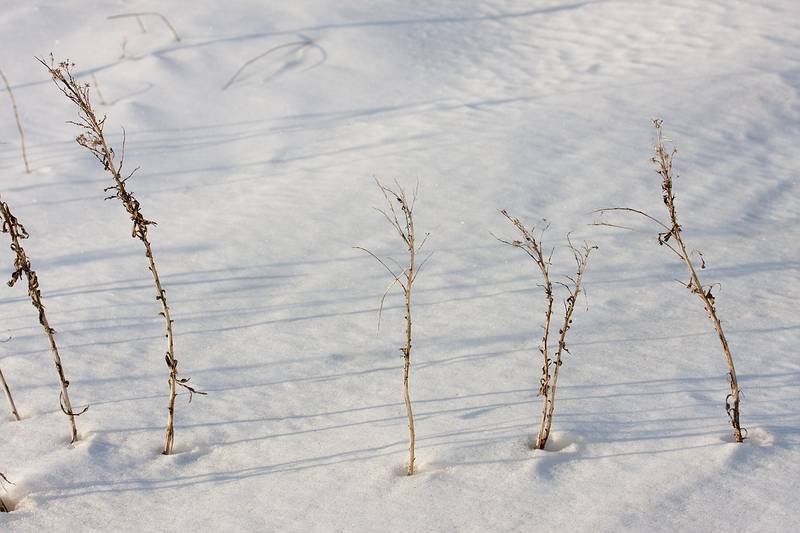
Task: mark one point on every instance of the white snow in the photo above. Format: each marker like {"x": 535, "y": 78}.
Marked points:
{"x": 260, "y": 192}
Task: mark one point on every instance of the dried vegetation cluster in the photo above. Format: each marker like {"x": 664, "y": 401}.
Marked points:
{"x": 399, "y": 212}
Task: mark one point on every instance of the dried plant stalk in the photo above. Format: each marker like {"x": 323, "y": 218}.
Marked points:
{"x": 3, "y": 507}
{"x": 672, "y": 232}
{"x": 22, "y": 266}
{"x": 404, "y": 225}
{"x": 10, "y": 398}
{"x": 93, "y": 139}
{"x": 532, "y": 246}
{"x": 581, "y": 256}
{"x": 19, "y": 124}
{"x": 148, "y": 14}
{"x": 299, "y": 44}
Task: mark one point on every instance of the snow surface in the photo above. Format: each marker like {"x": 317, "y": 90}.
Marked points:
{"x": 261, "y": 191}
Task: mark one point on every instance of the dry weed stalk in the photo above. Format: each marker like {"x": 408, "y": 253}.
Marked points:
{"x": 10, "y": 398}
{"x": 299, "y": 44}
{"x": 672, "y": 232}
{"x": 19, "y": 124}
{"x": 93, "y": 139}
{"x": 548, "y": 383}
{"x": 22, "y": 267}
{"x": 139, "y": 16}
{"x": 404, "y": 225}
{"x": 3, "y": 507}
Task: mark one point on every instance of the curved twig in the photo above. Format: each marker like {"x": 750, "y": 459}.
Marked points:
{"x": 300, "y": 44}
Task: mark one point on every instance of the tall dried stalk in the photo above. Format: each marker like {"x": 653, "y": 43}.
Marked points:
{"x": 22, "y": 266}
{"x": 93, "y": 139}
{"x": 672, "y": 231}
{"x": 10, "y": 398}
{"x": 548, "y": 383}
{"x": 19, "y": 124}
{"x": 404, "y": 225}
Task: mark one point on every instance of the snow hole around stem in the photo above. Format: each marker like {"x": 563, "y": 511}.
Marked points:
{"x": 558, "y": 441}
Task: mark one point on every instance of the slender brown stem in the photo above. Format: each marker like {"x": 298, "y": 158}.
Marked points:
{"x": 94, "y": 140}
{"x": 22, "y": 266}
{"x": 19, "y": 123}
{"x": 581, "y": 258}
{"x": 10, "y": 398}
{"x": 663, "y": 162}
{"x": 532, "y": 246}
{"x": 407, "y": 350}
{"x": 404, "y": 225}
{"x": 3, "y": 507}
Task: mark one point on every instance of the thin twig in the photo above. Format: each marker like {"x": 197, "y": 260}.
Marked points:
{"x": 10, "y": 398}
{"x": 3, "y": 507}
{"x": 148, "y": 14}
{"x": 300, "y": 44}
{"x": 19, "y": 124}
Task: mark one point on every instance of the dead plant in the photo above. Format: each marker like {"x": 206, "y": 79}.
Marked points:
{"x": 10, "y": 398}
{"x": 671, "y": 237}
{"x": 403, "y": 223}
{"x": 531, "y": 244}
{"x": 298, "y": 45}
{"x": 19, "y": 124}
{"x": 93, "y": 139}
{"x": 3, "y": 507}
{"x": 139, "y": 16}
{"x": 22, "y": 267}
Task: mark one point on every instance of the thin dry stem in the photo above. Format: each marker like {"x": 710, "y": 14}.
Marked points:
{"x": 663, "y": 161}
{"x": 299, "y": 44}
{"x": 148, "y": 14}
{"x": 22, "y": 267}
{"x": 10, "y": 398}
{"x": 403, "y": 223}
{"x": 532, "y": 246}
{"x": 3, "y": 507}
{"x": 672, "y": 239}
{"x": 19, "y": 123}
{"x": 581, "y": 256}
{"x": 93, "y": 139}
